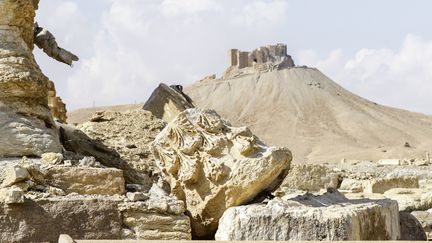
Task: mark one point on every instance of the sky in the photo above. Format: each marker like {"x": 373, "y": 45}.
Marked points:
{"x": 380, "y": 50}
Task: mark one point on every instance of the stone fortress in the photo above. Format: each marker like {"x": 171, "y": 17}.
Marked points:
{"x": 265, "y": 58}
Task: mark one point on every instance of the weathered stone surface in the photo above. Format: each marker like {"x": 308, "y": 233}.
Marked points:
{"x": 118, "y": 139}
{"x": 327, "y": 217}
{"x": 312, "y": 178}
{"x": 13, "y": 174}
{"x": 26, "y": 124}
{"x": 44, "y": 220}
{"x": 167, "y": 102}
{"x": 411, "y": 228}
{"x": 82, "y": 180}
{"x": 159, "y": 218}
{"x": 381, "y": 185}
{"x": 212, "y": 166}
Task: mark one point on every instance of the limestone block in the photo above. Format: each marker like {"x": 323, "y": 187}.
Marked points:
{"x": 212, "y": 166}
{"x": 166, "y": 102}
{"x": 352, "y": 185}
{"x": 385, "y": 162}
{"x": 101, "y": 181}
{"x": 14, "y": 174}
{"x": 327, "y": 217}
{"x": 411, "y": 228}
{"x": 44, "y": 220}
{"x": 381, "y": 185}
{"x": 312, "y": 178}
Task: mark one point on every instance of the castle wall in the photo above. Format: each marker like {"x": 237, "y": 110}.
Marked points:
{"x": 233, "y": 57}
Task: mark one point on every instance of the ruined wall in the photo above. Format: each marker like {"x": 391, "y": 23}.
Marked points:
{"x": 56, "y": 105}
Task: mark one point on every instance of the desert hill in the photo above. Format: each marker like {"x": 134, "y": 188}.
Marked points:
{"x": 317, "y": 119}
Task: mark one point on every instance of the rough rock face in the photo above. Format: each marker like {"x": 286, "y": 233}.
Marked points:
{"x": 118, "y": 139}
{"x": 327, "y": 217}
{"x": 26, "y": 124}
{"x": 43, "y": 220}
{"x": 411, "y": 228}
{"x": 167, "y": 102}
{"x": 212, "y": 166}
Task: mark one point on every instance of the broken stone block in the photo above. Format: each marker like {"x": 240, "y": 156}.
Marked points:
{"x": 14, "y": 174}
{"x": 411, "y": 228}
{"x": 352, "y": 185}
{"x": 12, "y": 195}
{"x": 86, "y": 180}
{"x": 166, "y": 102}
{"x": 52, "y": 158}
{"x": 326, "y": 217}
{"x": 212, "y": 166}
{"x": 136, "y": 196}
{"x": 381, "y": 185}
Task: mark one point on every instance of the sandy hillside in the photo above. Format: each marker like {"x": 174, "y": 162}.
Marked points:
{"x": 316, "y": 118}
{"x": 82, "y": 115}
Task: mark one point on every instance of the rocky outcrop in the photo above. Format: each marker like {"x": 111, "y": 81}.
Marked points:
{"x": 212, "y": 166}
{"x": 26, "y": 124}
{"x": 166, "y": 102}
{"x": 327, "y": 217}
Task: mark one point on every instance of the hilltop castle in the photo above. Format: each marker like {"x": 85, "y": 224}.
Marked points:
{"x": 264, "y": 58}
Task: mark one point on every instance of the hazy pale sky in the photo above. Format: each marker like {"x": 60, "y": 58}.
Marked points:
{"x": 381, "y": 50}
